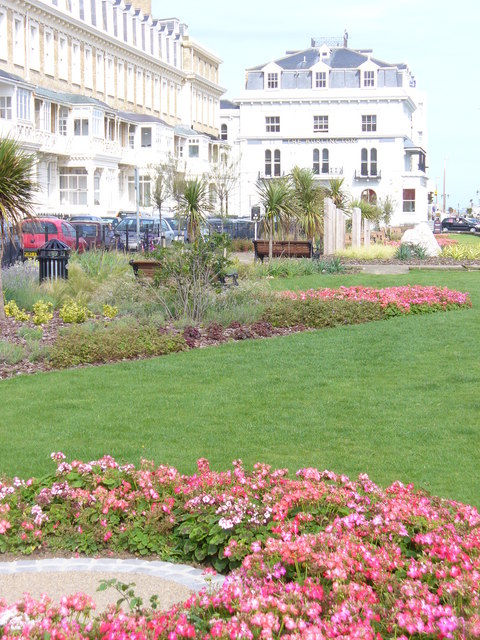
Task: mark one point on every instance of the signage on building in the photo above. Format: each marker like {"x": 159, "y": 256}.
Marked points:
{"x": 320, "y": 141}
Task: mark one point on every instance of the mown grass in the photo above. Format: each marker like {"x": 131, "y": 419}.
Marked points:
{"x": 396, "y": 399}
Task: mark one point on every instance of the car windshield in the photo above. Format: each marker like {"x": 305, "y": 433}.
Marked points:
{"x": 173, "y": 223}
{"x": 131, "y": 225}
{"x": 39, "y": 226}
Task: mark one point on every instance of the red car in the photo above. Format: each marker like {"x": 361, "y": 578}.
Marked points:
{"x": 36, "y": 231}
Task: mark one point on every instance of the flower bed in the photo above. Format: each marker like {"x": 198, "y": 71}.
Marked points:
{"x": 317, "y": 555}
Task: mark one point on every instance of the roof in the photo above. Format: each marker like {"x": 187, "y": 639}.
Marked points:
{"x": 340, "y": 58}
{"x": 181, "y": 130}
{"x": 10, "y": 76}
{"x": 139, "y": 117}
{"x": 227, "y": 104}
{"x": 69, "y": 98}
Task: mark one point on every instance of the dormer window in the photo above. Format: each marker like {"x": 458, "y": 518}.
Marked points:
{"x": 320, "y": 79}
{"x": 369, "y": 78}
{"x": 272, "y": 81}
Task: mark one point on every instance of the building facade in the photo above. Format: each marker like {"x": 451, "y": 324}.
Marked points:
{"x": 340, "y": 112}
{"x": 102, "y": 92}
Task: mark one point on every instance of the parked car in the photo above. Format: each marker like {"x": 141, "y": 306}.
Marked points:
{"x": 111, "y": 220}
{"x": 179, "y": 229}
{"x": 148, "y": 227}
{"x": 95, "y": 234}
{"x": 460, "y": 224}
{"x": 84, "y": 217}
{"x": 36, "y": 231}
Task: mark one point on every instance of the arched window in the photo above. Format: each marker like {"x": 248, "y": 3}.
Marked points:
{"x": 316, "y": 161}
{"x": 369, "y": 195}
{"x": 364, "y": 164}
{"x": 373, "y": 162}
{"x": 268, "y": 163}
{"x": 224, "y": 132}
{"x": 325, "y": 165}
{"x": 276, "y": 163}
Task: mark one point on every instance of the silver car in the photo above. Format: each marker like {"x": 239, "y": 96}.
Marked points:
{"x": 126, "y": 232}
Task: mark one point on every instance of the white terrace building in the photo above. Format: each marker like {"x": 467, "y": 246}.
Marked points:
{"x": 340, "y": 112}
{"x": 99, "y": 89}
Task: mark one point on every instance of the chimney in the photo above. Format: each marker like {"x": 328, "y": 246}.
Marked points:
{"x": 144, "y": 5}
{"x": 345, "y": 39}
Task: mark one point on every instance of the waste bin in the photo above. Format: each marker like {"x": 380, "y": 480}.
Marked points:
{"x": 53, "y": 260}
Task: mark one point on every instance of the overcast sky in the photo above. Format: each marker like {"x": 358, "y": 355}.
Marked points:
{"x": 438, "y": 39}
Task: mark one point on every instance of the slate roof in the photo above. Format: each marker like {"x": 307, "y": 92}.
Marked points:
{"x": 340, "y": 58}
{"x": 69, "y": 98}
{"x": 139, "y": 117}
{"x": 227, "y": 104}
{"x": 10, "y": 76}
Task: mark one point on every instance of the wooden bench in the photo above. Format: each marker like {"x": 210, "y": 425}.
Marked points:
{"x": 283, "y": 249}
{"x": 147, "y": 268}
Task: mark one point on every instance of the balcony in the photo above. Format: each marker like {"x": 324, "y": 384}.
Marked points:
{"x": 368, "y": 177}
{"x": 333, "y": 172}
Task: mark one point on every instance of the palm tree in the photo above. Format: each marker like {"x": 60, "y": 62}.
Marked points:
{"x": 337, "y": 194}
{"x": 276, "y": 198}
{"x": 194, "y": 204}
{"x": 17, "y": 189}
{"x": 308, "y": 199}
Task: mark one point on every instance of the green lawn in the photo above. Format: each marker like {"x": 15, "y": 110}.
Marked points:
{"x": 398, "y": 399}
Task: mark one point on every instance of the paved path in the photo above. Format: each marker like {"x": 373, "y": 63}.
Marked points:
{"x": 64, "y": 576}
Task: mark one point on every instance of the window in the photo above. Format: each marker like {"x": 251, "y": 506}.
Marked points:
{"x": 97, "y": 124}
{"x": 139, "y": 92}
{"x": 364, "y": 162}
{"x": 276, "y": 163}
{"x": 73, "y": 185}
{"x": 193, "y": 148}
{"x": 63, "y": 121}
{"x": 131, "y": 136}
{"x": 325, "y": 162}
{"x": 369, "y": 123}
{"x": 130, "y": 84}
{"x": 365, "y": 168}
{"x": 224, "y": 132}
{"x": 272, "y": 124}
{"x": 369, "y": 78}
{"x": 110, "y": 76}
{"x": 373, "y": 162}
{"x": 268, "y": 163}
{"x": 76, "y": 63}
{"x": 5, "y": 108}
{"x": 320, "y": 123}
{"x": 81, "y": 10}
{"x": 48, "y": 53}
{"x": 3, "y": 35}
{"x": 104, "y": 15}
{"x": 34, "y": 59}
{"x": 88, "y": 68}
{"x": 316, "y": 161}
{"x": 272, "y": 81}
{"x": 19, "y": 40}
{"x": 320, "y": 79}
{"x": 23, "y": 104}
{"x": 146, "y": 136}
{"x": 144, "y": 198}
{"x": 369, "y": 195}
{"x": 121, "y": 80}
{"x": 96, "y": 186}
{"x": 93, "y": 10}
{"x": 80, "y": 127}
{"x": 409, "y": 200}
{"x": 62, "y": 58}
{"x": 100, "y": 72}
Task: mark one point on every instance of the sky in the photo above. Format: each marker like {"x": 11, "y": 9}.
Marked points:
{"x": 438, "y": 39}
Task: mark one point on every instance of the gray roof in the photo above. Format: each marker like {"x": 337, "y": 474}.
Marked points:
{"x": 139, "y": 117}
{"x": 10, "y": 76}
{"x": 181, "y": 130}
{"x": 340, "y": 58}
{"x": 227, "y": 104}
{"x": 69, "y": 98}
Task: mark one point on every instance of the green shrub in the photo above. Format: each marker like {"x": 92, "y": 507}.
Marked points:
{"x": 42, "y": 312}
{"x": 30, "y": 334}
{"x": 37, "y": 352}
{"x": 74, "y": 312}
{"x": 403, "y": 252}
{"x": 292, "y": 267}
{"x": 462, "y": 252}
{"x": 244, "y": 303}
{"x": 317, "y": 314}
{"x": 372, "y": 252}
{"x": 12, "y": 310}
{"x": 11, "y": 353}
{"x": 96, "y": 343}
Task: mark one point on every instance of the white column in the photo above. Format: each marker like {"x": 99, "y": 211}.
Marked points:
{"x": 339, "y": 230}
{"x": 329, "y": 227}
{"x": 366, "y": 233}
{"x": 356, "y": 227}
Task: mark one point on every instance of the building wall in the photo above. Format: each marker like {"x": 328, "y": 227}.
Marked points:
{"x": 99, "y": 88}
{"x": 298, "y": 123}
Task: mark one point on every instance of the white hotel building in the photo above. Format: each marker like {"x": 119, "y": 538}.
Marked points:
{"x": 101, "y": 90}
{"x": 341, "y": 112}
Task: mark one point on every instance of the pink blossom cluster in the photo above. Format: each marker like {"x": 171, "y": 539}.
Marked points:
{"x": 331, "y": 557}
{"x": 403, "y": 298}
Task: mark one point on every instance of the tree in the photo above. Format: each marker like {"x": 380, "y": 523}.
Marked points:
{"x": 276, "y": 198}
{"x": 223, "y": 177}
{"x": 337, "y": 194}
{"x": 17, "y": 189}
{"x": 168, "y": 182}
{"x": 194, "y": 204}
{"x": 308, "y": 201}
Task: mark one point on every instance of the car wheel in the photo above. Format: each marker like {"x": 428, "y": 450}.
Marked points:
{"x": 444, "y": 230}
{"x": 473, "y": 230}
